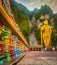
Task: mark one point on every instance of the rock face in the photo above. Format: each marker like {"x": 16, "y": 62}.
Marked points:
{"x": 7, "y": 7}
{"x": 51, "y": 3}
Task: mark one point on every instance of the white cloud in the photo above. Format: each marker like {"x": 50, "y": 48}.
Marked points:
{"x": 31, "y": 4}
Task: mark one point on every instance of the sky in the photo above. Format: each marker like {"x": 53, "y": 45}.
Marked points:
{"x": 31, "y": 4}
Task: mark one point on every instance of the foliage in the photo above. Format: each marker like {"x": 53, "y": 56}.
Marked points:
{"x": 22, "y": 15}
{"x": 43, "y": 10}
{"x": 54, "y": 33}
{"x": 26, "y": 29}
{"x": 21, "y": 19}
{"x": 32, "y": 13}
{"x": 55, "y": 20}
{"x": 54, "y": 39}
{"x": 37, "y": 34}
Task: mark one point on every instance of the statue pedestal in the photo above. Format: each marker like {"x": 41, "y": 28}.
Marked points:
{"x": 48, "y": 48}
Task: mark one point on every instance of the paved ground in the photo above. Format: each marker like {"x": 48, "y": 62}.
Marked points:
{"x": 39, "y": 58}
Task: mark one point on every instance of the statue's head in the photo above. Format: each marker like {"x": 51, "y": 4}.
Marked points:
{"x": 46, "y": 22}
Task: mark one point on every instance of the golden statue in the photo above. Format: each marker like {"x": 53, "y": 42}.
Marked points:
{"x": 46, "y": 34}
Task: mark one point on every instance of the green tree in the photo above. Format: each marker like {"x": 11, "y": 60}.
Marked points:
{"x": 26, "y": 29}
{"x": 21, "y": 19}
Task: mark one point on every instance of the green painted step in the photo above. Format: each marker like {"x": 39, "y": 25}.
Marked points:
{"x": 1, "y": 61}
